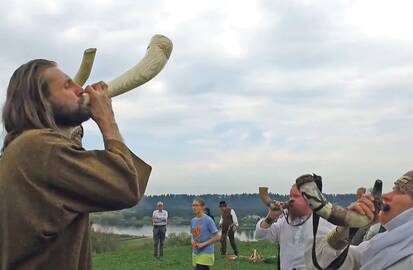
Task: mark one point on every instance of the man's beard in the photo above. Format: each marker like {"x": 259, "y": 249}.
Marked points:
{"x": 65, "y": 118}
{"x": 297, "y": 213}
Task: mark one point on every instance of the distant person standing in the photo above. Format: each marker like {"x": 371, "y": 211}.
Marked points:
{"x": 361, "y": 191}
{"x": 160, "y": 219}
{"x": 229, "y": 225}
{"x": 204, "y": 234}
{"x": 207, "y": 212}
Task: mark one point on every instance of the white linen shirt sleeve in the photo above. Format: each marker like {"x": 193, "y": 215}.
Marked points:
{"x": 234, "y": 217}
{"x": 270, "y": 234}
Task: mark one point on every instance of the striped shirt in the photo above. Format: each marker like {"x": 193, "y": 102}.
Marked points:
{"x": 160, "y": 217}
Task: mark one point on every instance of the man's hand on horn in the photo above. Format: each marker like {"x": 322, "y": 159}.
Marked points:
{"x": 100, "y": 103}
{"x": 364, "y": 206}
{"x": 274, "y": 211}
{"x": 100, "y": 107}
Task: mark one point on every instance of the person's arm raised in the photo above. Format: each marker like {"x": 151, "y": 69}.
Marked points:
{"x": 274, "y": 212}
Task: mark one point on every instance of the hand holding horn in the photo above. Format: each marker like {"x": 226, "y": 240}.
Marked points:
{"x": 275, "y": 208}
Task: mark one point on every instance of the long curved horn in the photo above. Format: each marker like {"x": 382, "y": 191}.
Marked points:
{"x": 85, "y": 67}
{"x": 157, "y": 55}
{"x": 158, "y": 52}
{"x": 335, "y": 214}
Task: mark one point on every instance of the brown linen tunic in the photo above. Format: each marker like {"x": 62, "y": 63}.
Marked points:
{"x": 48, "y": 187}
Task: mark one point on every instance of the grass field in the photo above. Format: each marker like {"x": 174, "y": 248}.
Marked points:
{"x": 135, "y": 254}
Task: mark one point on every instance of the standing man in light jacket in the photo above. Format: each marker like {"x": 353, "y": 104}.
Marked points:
{"x": 160, "y": 219}
{"x": 390, "y": 250}
{"x": 292, "y": 230}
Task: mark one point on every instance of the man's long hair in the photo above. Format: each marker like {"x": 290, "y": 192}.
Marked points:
{"x": 26, "y": 106}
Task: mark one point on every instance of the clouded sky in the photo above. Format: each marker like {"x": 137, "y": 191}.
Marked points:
{"x": 255, "y": 93}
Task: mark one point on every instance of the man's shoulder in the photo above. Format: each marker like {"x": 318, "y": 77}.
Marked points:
{"x": 34, "y": 140}
{"x": 227, "y": 210}
{"x": 280, "y": 221}
{"x": 207, "y": 220}
{"x": 39, "y": 136}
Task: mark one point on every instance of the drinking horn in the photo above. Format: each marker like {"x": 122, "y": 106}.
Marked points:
{"x": 157, "y": 55}
{"x": 266, "y": 199}
{"x": 334, "y": 213}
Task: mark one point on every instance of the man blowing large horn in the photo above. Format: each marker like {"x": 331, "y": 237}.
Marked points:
{"x": 390, "y": 250}
{"x": 48, "y": 183}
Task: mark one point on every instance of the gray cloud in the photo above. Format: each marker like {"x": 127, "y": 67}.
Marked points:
{"x": 256, "y": 92}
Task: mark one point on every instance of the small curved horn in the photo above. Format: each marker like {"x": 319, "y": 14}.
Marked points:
{"x": 157, "y": 55}
{"x": 85, "y": 67}
{"x": 335, "y": 214}
{"x": 265, "y": 197}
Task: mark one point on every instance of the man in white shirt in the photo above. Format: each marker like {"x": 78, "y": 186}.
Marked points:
{"x": 292, "y": 230}
{"x": 229, "y": 225}
{"x": 160, "y": 219}
{"x": 390, "y": 250}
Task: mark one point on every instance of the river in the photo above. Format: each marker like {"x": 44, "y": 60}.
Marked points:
{"x": 243, "y": 235}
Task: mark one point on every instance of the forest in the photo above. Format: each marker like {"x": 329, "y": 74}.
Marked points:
{"x": 247, "y": 206}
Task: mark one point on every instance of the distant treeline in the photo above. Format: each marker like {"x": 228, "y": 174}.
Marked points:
{"x": 245, "y": 204}
{"x": 180, "y": 211}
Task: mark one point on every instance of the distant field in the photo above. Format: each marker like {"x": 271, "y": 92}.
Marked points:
{"x": 135, "y": 254}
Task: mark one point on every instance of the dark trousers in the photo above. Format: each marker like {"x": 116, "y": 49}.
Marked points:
{"x": 159, "y": 233}
{"x": 201, "y": 267}
{"x": 230, "y": 233}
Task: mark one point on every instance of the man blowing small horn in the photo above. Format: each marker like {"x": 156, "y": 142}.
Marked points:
{"x": 48, "y": 183}
{"x": 292, "y": 230}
